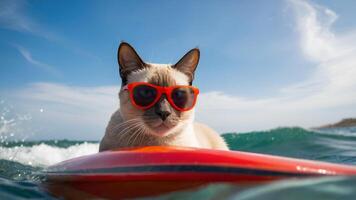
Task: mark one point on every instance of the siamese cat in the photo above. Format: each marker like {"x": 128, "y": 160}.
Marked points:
{"x": 157, "y": 105}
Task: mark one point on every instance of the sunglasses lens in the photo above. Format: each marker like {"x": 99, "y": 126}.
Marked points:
{"x": 144, "y": 95}
{"x": 183, "y": 97}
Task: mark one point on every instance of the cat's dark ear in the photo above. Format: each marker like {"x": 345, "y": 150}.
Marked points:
{"x": 188, "y": 63}
{"x": 128, "y": 60}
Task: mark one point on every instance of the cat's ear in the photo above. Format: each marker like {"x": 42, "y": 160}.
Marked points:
{"x": 128, "y": 60}
{"x": 188, "y": 63}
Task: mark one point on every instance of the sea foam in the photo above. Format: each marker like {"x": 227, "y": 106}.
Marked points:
{"x": 43, "y": 155}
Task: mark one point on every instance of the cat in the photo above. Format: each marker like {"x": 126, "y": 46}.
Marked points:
{"x": 161, "y": 124}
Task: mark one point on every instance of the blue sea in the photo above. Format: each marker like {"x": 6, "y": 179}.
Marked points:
{"x": 20, "y": 161}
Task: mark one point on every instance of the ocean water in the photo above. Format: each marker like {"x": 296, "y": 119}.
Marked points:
{"x": 20, "y": 160}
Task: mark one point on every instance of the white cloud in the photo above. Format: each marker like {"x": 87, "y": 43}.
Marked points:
{"x": 333, "y": 53}
{"x": 314, "y": 25}
{"x": 327, "y": 95}
{"x": 93, "y": 98}
{"x": 13, "y": 16}
{"x": 335, "y": 72}
{"x": 62, "y": 111}
{"x": 46, "y": 67}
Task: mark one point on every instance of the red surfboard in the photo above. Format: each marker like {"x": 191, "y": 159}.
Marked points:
{"x": 154, "y": 170}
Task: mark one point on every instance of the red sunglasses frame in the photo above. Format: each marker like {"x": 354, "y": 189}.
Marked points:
{"x": 160, "y": 91}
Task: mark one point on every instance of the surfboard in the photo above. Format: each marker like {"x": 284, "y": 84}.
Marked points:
{"x": 155, "y": 170}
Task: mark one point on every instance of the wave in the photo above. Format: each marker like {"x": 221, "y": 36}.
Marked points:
{"x": 21, "y": 190}
{"x": 55, "y": 143}
{"x": 297, "y": 142}
{"x": 42, "y": 155}
{"x": 292, "y": 142}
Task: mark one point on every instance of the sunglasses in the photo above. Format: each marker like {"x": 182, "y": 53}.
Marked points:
{"x": 144, "y": 95}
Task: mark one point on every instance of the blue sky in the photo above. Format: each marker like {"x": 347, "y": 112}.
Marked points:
{"x": 80, "y": 41}
{"x": 263, "y": 64}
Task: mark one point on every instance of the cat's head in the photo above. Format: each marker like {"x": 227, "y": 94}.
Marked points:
{"x": 161, "y": 119}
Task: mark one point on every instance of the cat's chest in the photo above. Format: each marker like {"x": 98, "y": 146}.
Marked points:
{"x": 186, "y": 138}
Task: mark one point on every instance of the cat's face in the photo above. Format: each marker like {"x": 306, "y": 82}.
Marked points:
{"x": 161, "y": 119}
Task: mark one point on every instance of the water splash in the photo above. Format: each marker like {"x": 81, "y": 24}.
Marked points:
{"x": 13, "y": 125}
{"x": 42, "y": 155}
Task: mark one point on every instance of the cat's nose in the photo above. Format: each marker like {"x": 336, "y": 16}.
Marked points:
{"x": 162, "y": 108}
{"x": 163, "y": 114}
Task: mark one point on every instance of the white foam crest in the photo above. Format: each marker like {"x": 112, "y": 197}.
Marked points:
{"x": 345, "y": 131}
{"x": 43, "y": 155}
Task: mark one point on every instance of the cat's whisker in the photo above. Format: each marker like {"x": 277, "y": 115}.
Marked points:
{"x": 129, "y": 128}
{"x": 145, "y": 135}
{"x": 134, "y": 135}
{"x": 132, "y": 128}
{"x": 128, "y": 123}
{"x": 142, "y": 134}
{"x": 138, "y": 133}
{"x": 140, "y": 139}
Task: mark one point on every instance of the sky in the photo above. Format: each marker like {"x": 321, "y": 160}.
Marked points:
{"x": 264, "y": 64}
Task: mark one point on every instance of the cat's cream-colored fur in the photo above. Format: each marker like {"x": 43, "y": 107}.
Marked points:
{"x": 129, "y": 126}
